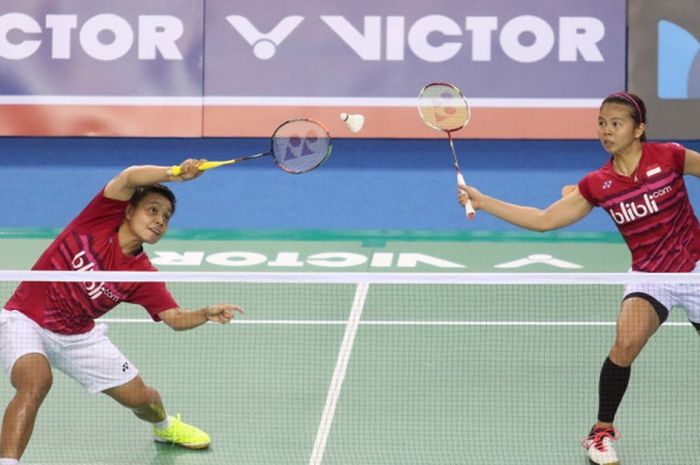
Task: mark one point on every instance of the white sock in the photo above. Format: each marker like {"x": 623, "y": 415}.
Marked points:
{"x": 161, "y": 425}
{"x": 9, "y": 462}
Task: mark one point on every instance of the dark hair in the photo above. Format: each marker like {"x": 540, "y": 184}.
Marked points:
{"x": 636, "y": 105}
{"x": 159, "y": 189}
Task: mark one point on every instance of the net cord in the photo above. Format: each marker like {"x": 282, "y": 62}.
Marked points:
{"x": 353, "y": 277}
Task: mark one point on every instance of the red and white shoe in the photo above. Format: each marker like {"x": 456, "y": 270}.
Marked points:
{"x": 599, "y": 445}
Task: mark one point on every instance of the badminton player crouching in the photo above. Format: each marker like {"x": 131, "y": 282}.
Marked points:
{"x": 51, "y": 325}
{"x": 642, "y": 189}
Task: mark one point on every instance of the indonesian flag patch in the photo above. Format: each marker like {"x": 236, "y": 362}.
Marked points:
{"x": 655, "y": 169}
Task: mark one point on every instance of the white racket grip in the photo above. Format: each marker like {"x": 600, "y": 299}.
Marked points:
{"x": 468, "y": 209}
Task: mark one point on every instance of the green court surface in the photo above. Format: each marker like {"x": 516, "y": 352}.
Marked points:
{"x": 406, "y": 374}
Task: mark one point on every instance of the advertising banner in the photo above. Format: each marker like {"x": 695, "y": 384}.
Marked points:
{"x": 664, "y": 65}
{"x": 126, "y": 68}
{"x": 536, "y": 69}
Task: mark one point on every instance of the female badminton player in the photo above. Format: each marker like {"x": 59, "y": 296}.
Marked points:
{"x": 642, "y": 189}
{"x": 51, "y": 325}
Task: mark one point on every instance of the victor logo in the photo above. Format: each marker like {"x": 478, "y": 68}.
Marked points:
{"x": 391, "y": 38}
{"x": 264, "y": 45}
{"x": 104, "y": 37}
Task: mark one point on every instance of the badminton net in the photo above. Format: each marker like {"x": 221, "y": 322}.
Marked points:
{"x": 353, "y": 368}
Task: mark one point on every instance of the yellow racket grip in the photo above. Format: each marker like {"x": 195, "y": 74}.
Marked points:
{"x": 174, "y": 170}
{"x": 207, "y": 165}
{"x": 468, "y": 208}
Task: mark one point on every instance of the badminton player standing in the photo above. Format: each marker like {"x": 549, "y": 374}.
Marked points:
{"x": 51, "y": 325}
{"x": 642, "y": 189}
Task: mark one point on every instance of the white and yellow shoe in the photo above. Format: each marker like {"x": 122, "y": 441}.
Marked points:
{"x": 599, "y": 445}
{"x": 182, "y": 434}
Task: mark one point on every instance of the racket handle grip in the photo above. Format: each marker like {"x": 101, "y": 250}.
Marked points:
{"x": 207, "y": 165}
{"x": 468, "y": 208}
{"x": 174, "y": 170}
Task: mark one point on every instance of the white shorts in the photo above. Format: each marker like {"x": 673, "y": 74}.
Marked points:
{"x": 90, "y": 358}
{"x": 685, "y": 296}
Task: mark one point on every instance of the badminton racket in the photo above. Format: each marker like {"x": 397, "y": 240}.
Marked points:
{"x": 443, "y": 107}
{"x": 297, "y": 146}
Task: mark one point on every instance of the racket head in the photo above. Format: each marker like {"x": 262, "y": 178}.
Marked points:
{"x": 300, "y": 145}
{"x": 442, "y": 106}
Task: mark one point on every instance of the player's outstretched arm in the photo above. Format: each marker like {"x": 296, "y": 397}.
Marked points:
{"x": 692, "y": 163}
{"x": 123, "y": 185}
{"x": 559, "y": 214}
{"x": 181, "y": 320}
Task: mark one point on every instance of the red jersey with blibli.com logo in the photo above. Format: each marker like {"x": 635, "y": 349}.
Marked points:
{"x": 89, "y": 243}
{"x": 651, "y": 209}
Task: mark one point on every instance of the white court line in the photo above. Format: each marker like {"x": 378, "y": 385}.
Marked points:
{"x": 402, "y": 322}
{"x": 341, "y": 366}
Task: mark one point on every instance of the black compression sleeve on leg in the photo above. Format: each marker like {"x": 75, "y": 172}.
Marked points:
{"x": 612, "y": 386}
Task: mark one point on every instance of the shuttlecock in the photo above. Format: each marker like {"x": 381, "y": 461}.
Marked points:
{"x": 354, "y": 122}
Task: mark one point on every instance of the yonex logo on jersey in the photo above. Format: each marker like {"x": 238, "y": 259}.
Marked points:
{"x": 631, "y": 211}
{"x": 607, "y": 184}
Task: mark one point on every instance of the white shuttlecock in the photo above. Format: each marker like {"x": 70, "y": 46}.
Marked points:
{"x": 354, "y": 122}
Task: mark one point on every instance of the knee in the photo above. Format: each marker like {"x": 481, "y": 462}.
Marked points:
{"x": 35, "y": 388}
{"x": 145, "y": 398}
{"x": 625, "y": 350}
{"x": 139, "y": 398}
{"x": 32, "y": 377}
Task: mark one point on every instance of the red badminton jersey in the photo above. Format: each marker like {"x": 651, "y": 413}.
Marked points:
{"x": 89, "y": 243}
{"x": 651, "y": 209}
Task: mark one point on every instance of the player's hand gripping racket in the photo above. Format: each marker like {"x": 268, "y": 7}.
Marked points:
{"x": 297, "y": 146}
{"x": 442, "y": 106}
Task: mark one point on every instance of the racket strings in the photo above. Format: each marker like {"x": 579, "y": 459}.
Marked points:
{"x": 443, "y": 107}
{"x": 301, "y": 145}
